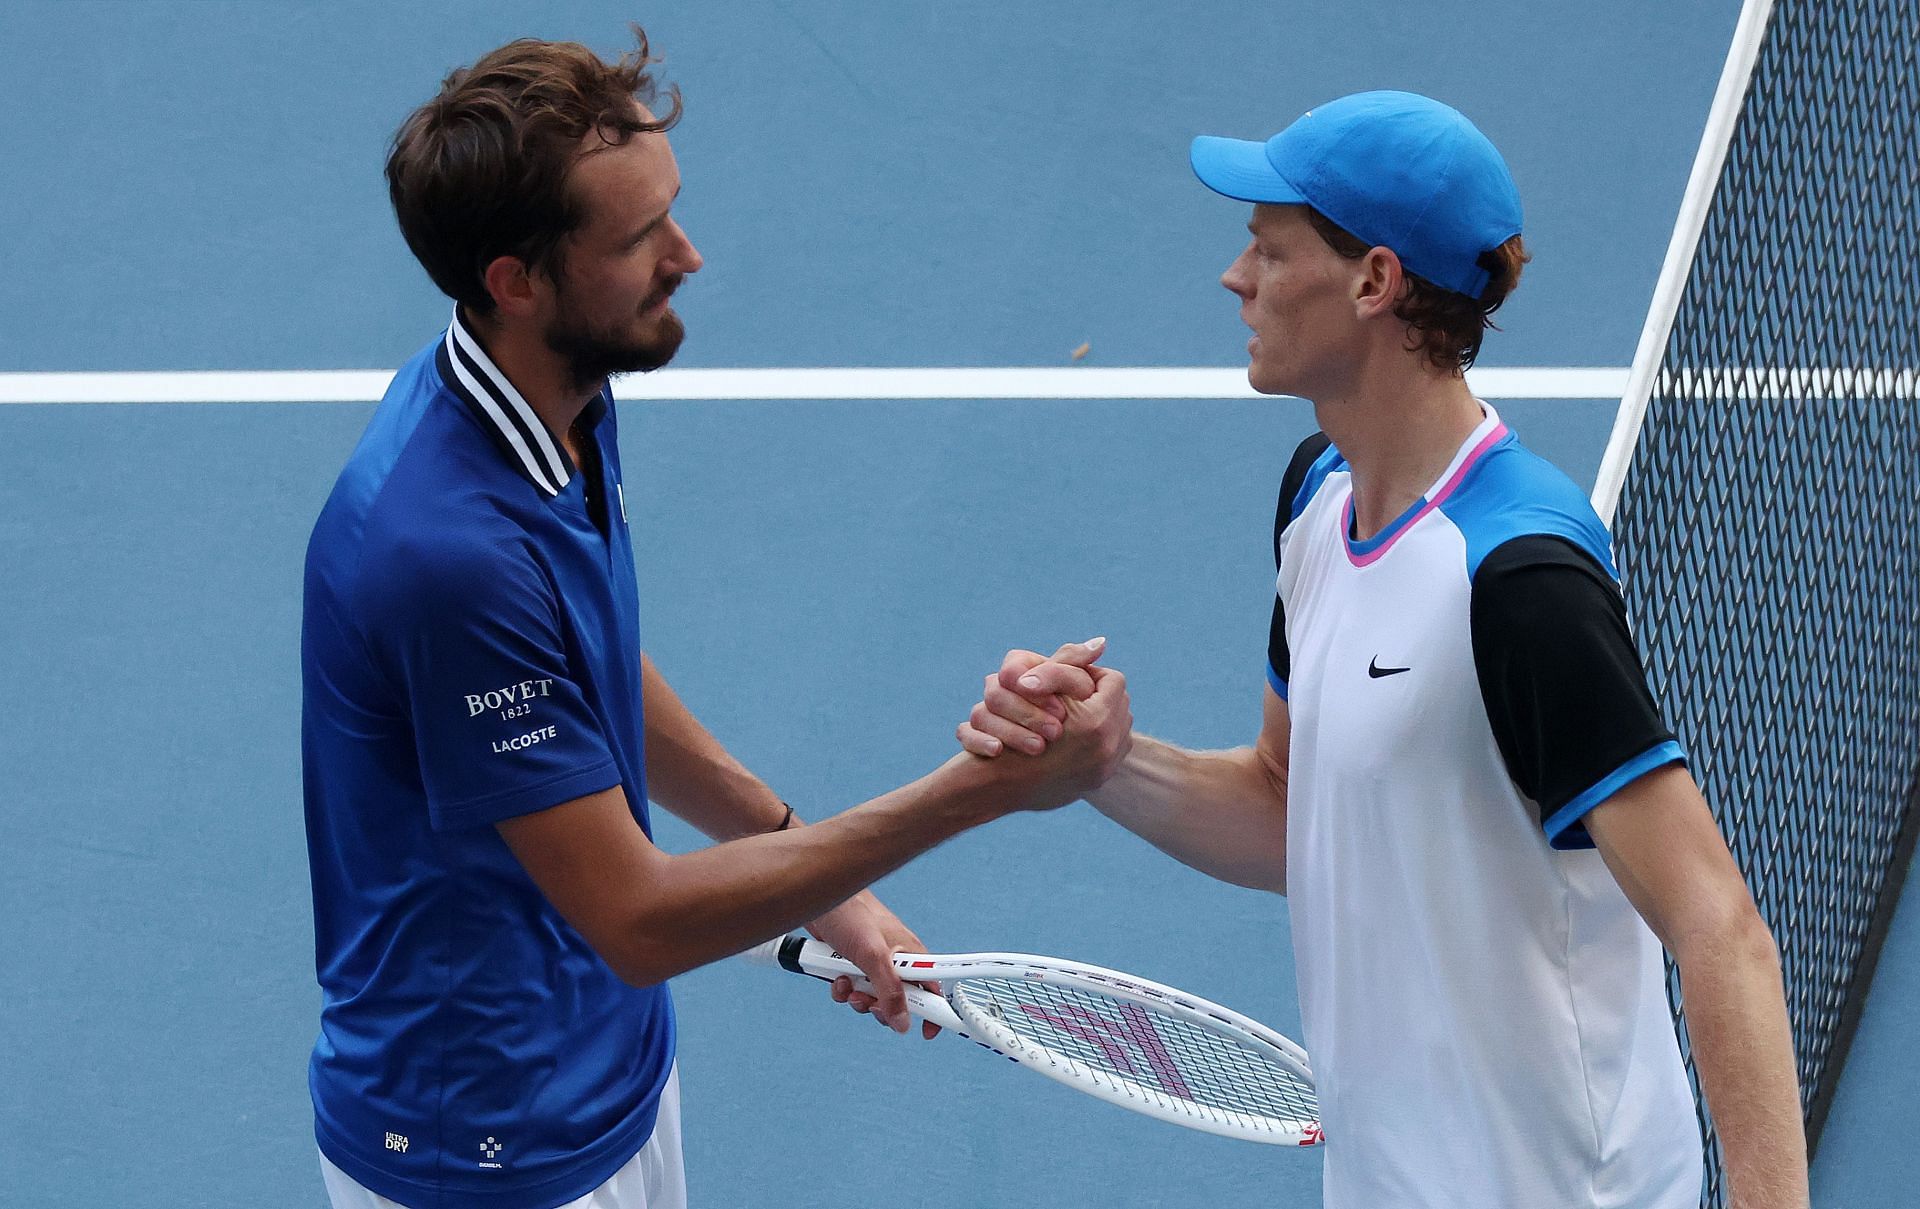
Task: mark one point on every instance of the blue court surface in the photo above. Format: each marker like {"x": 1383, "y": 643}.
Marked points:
{"x": 196, "y": 186}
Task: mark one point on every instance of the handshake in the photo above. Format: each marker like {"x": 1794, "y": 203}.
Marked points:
{"x": 1056, "y": 727}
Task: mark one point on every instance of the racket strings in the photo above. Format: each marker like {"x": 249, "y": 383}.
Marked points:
{"x": 1194, "y": 1066}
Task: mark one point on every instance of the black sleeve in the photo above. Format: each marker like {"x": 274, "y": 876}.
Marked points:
{"x": 1279, "y": 663}
{"x": 1563, "y": 686}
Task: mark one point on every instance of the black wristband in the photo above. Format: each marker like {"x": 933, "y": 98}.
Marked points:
{"x": 787, "y": 821}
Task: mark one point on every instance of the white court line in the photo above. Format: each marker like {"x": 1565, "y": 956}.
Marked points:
{"x": 1067, "y": 382}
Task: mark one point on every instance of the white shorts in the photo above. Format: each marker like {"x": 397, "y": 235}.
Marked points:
{"x": 652, "y": 1179}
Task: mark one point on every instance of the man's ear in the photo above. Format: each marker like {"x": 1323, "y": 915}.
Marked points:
{"x": 1379, "y": 284}
{"x": 515, "y": 290}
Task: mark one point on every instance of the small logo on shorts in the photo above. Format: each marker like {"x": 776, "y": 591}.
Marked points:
{"x": 397, "y": 1141}
{"x": 490, "y": 1150}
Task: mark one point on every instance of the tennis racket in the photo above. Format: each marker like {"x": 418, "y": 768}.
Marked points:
{"x": 1125, "y": 1040}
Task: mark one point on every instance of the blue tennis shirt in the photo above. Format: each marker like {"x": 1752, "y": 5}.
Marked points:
{"x": 470, "y": 652}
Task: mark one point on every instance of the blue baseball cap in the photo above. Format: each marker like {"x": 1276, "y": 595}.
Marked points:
{"x": 1395, "y": 169}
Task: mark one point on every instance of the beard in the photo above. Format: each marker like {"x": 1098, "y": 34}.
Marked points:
{"x": 596, "y": 352}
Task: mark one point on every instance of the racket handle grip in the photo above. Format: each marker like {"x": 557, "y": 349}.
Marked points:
{"x": 767, "y": 954}
{"x": 800, "y": 953}
{"x": 791, "y": 952}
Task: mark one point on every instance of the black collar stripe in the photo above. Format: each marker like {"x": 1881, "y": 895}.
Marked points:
{"x": 489, "y": 391}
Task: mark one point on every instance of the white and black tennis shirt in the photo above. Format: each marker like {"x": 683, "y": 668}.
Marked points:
{"x": 1485, "y": 1010}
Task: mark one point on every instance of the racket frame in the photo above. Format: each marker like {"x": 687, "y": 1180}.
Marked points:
{"x": 804, "y": 955}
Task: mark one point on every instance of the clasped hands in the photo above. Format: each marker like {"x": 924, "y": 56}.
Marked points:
{"x": 1064, "y": 707}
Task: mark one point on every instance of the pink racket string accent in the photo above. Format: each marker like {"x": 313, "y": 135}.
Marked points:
{"x": 1107, "y": 1035}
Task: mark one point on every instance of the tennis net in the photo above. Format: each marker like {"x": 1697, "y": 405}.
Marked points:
{"x": 1766, "y": 467}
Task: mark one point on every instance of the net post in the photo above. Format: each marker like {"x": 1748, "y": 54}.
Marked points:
{"x": 1707, "y": 162}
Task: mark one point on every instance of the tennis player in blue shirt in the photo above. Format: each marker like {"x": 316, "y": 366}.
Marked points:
{"x": 481, "y": 734}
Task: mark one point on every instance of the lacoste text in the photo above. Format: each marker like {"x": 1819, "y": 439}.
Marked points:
{"x": 524, "y": 741}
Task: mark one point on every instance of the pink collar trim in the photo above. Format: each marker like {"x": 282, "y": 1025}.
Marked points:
{"x": 1450, "y": 481}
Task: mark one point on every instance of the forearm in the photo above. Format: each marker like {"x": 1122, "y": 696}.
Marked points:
{"x": 1743, "y": 1049}
{"x": 692, "y": 775}
{"x": 712, "y": 903}
{"x": 1222, "y": 812}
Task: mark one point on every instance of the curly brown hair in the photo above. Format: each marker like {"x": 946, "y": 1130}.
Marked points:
{"x": 1446, "y": 325}
{"x": 482, "y": 170}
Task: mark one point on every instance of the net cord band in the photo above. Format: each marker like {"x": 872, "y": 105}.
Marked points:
{"x": 1735, "y": 78}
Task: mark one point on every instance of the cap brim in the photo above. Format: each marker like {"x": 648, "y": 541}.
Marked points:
{"x": 1239, "y": 169}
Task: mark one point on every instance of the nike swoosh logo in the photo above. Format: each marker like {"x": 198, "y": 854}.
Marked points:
{"x": 1376, "y": 671}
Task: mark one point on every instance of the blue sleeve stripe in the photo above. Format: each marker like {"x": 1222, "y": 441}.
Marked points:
{"x": 1660, "y": 756}
{"x": 1279, "y": 685}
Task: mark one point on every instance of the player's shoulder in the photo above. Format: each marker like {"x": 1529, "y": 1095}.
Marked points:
{"x": 405, "y": 416}
{"x": 1517, "y": 505}
{"x": 425, "y": 478}
{"x": 438, "y": 568}
{"x": 424, "y": 502}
